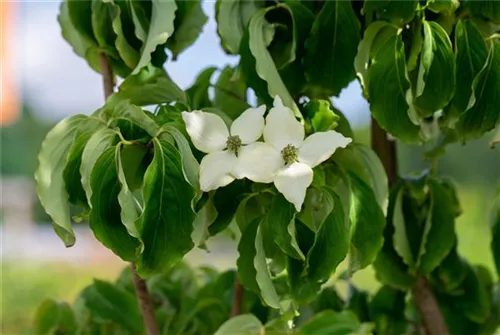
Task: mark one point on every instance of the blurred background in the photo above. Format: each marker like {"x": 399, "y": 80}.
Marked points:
{"x": 43, "y": 81}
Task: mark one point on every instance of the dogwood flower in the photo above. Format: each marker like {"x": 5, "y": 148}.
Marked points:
{"x": 286, "y": 158}
{"x": 210, "y": 135}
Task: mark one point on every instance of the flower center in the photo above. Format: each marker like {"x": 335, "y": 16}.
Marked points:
{"x": 233, "y": 144}
{"x": 290, "y": 154}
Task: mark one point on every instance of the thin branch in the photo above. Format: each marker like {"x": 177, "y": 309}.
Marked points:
{"x": 432, "y": 318}
{"x": 147, "y": 310}
{"x": 237, "y": 297}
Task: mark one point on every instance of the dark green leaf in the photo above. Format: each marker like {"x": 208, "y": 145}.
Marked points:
{"x": 495, "y": 233}
{"x": 263, "y": 278}
{"x": 398, "y": 12}
{"x": 105, "y": 214}
{"x": 443, "y": 6}
{"x": 321, "y": 114}
{"x": 198, "y": 92}
{"x": 167, "y": 220}
{"x": 486, "y": 9}
{"x": 401, "y": 238}
{"x": 49, "y": 176}
{"x": 247, "y": 273}
{"x": 226, "y": 202}
{"x": 387, "y": 87}
{"x": 475, "y": 303}
{"x": 331, "y": 48}
{"x": 161, "y": 28}
{"x": 436, "y": 76}
{"x": 232, "y": 19}
{"x": 188, "y": 23}
{"x": 126, "y": 44}
{"x": 332, "y": 323}
{"x": 151, "y": 86}
{"x": 318, "y": 204}
{"x": 106, "y": 302}
{"x": 246, "y": 324}
{"x": 101, "y": 23}
{"x": 387, "y": 309}
{"x": 53, "y": 318}
{"x": 281, "y": 219}
{"x": 123, "y": 112}
{"x": 483, "y": 112}
{"x": 367, "y": 225}
{"x": 451, "y": 272}
{"x": 71, "y": 174}
{"x": 230, "y": 92}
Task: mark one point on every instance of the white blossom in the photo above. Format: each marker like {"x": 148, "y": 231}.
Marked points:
{"x": 210, "y": 135}
{"x": 286, "y": 158}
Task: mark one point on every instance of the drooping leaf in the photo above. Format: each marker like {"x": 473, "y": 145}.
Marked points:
{"x": 226, "y": 202}
{"x": 150, "y": 86}
{"x": 475, "y": 303}
{"x": 188, "y": 23}
{"x": 123, "y": 112}
{"x": 53, "y": 318}
{"x": 387, "y": 310}
{"x": 387, "y": 87}
{"x": 281, "y": 220}
{"x": 141, "y": 16}
{"x": 126, "y": 43}
{"x": 232, "y": 19}
{"x": 443, "y": 6}
{"x": 198, "y": 92}
{"x": 71, "y": 173}
{"x": 107, "y": 302}
{"x": 161, "y": 28}
{"x": 486, "y": 9}
{"x": 401, "y": 238}
{"x": 394, "y": 11}
{"x": 263, "y": 276}
{"x": 318, "y": 204}
{"x": 166, "y": 223}
{"x": 230, "y": 92}
{"x": 331, "y": 48}
{"x": 483, "y": 111}
{"x": 330, "y": 322}
{"x": 50, "y": 172}
{"x": 367, "y": 225}
{"x": 451, "y": 272}
{"x": 495, "y": 233}
{"x": 246, "y": 324}
{"x": 436, "y": 76}
{"x": 247, "y": 273}
{"x": 322, "y": 115}
{"x": 105, "y": 215}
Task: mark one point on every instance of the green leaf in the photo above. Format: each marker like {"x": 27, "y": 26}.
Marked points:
{"x": 483, "y": 113}
{"x": 161, "y": 28}
{"x": 441, "y": 237}
{"x": 140, "y": 18}
{"x": 53, "y": 318}
{"x": 49, "y": 175}
{"x": 367, "y": 225}
{"x": 486, "y": 9}
{"x": 101, "y": 140}
{"x": 226, "y": 201}
{"x": 264, "y": 63}
{"x": 230, "y": 92}
{"x": 232, "y": 19}
{"x": 101, "y": 22}
{"x": 105, "y": 215}
{"x": 471, "y": 55}
{"x": 150, "y": 86}
{"x": 110, "y": 303}
{"x": 387, "y": 87}
{"x": 263, "y": 278}
{"x": 246, "y": 324}
{"x": 318, "y": 205}
{"x": 247, "y": 273}
{"x": 495, "y": 233}
{"x": 321, "y": 115}
{"x": 436, "y": 76}
{"x": 121, "y": 23}
{"x": 248, "y": 209}
{"x": 83, "y": 45}
{"x": 451, "y": 272}
{"x": 401, "y": 236}
{"x": 198, "y": 92}
{"x": 443, "y": 6}
{"x": 387, "y": 309}
{"x": 331, "y": 48}
{"x": 332, "y": 323}
{"x": 331, "y": 244}
{"x": 281, "y": 219}
{"x": 397, "y": 12}
{"x": 166, "y": 223}
{"x": 188, "y": 23}
{"x": 129, "y": 159}
{"x": 71, "y": 173}
{"x": 475, "y": 303}
{"x": 129, "y": 113}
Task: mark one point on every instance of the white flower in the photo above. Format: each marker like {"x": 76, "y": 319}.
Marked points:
{"x": 286, "y": 158}
{"x": 210, "y": 135}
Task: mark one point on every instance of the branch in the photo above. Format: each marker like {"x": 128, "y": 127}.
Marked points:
{"x": 147, "y": 310}
{"x": 432, "y": 318}
{"x": 237, "y": 297}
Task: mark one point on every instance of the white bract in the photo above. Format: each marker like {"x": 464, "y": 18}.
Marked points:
{"x": 210, "y": 135}
{"x": 286, "y": 158}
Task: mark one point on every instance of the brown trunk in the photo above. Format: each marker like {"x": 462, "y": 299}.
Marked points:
{"x": 237, "y": 297}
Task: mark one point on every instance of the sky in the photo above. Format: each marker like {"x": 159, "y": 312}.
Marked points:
{"x": 58, "y": 83}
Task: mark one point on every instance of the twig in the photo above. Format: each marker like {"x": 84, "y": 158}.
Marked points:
{"x": 432, "y": 318}
{"x": 237, "y": 297}
{"x": 147, "y": 310}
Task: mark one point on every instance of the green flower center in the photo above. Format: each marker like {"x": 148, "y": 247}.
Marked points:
{"x": 233, "y": 144}
{"x": 290, "y": 154}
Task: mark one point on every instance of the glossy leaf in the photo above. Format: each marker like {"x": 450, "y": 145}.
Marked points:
{"x": 436, "y": 76}
{"x": 483, "y": 112}
{"x": 166, "y": 223}
{"x": 230, "y": 92}
{"x": 281, "y": 220}
{"x": 321, "y": 115}
{"x": 246, "y": 324}
{"x": 150, "y": 86}
{"x": 331, "y": 47}
{"x": 232, "y": 19}
{"x": 318, "y": 204}
{"x": 330, "y": 322}
{"x": 226, "y": 202}
{"x": 50, "y": 172}
{"x": 161, "y": 27}
{"x": 53, "y": 318}
{"x": 395, "y": 11}
{"x": 188, "y": 24}
{"x": 443, "y": 6}
{"x": 125, "y": 112}
{"x": 71, "y": 174}
{"x": 387, "y": 87}
{"x": 105, "y": 214}
{"x": 367, "y": 225}
{"x": 101, "y": 23}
